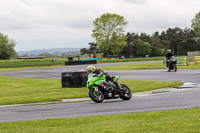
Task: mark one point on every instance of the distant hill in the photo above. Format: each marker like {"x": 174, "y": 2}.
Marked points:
{"x": 56, "y": 51}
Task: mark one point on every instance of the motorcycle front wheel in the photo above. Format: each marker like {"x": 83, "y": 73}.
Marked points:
{"x": 97, "y": 97}
{"x": 126, "y": 94}
{"x": 175, "y": 67}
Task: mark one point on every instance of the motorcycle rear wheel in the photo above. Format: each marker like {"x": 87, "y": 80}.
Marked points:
{"x": 126, "y": 94}
{"x": 97, "y": 97}
{"x": 168, "y": 68}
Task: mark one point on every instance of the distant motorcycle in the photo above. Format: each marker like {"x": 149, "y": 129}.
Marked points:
{"x": 100, "y": 88}
{"x": 171, "y": 64}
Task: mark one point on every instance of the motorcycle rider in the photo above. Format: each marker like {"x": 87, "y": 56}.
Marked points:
{"x": 168, "y": 56}
{"x": 92, "y": 69}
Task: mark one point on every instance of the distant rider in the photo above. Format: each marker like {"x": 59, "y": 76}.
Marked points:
{"x": 168, "y": 56}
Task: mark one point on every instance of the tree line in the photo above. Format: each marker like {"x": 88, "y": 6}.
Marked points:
{"x": 111, "y": 39}
{"x": 180, "y": 41}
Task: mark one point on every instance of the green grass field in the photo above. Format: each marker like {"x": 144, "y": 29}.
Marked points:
{"x": 28, "y": 67}
{"x": 171, "y": 121}
{"x": 30, "y": 62}
{"x": 9, "y": 65}
{"x": 20, "y": 63}
{"x": 29, "y": 90}
{"x": 26, "y": 90}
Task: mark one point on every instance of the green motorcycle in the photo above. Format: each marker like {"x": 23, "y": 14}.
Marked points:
{"x": 100, "y": 88}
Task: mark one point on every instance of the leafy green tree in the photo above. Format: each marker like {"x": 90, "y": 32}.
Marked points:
{"x": 117, "y": 44}
{"x": 109, "y": 33}
{"x": 175, "y": 39}
{"x": 141, "y": 48}
{"x": 93, "y": 50}
{"x": 6, "y": 47}
{"x": 179, "y": 40}
{"x": 190, "y": 43}
{"x": 131, "y": 40}
{"x": 156, "y": 45}
{"x": 196, "y": 24}
{"x": 144, "y": 37}
{"x": 84, "y": 51}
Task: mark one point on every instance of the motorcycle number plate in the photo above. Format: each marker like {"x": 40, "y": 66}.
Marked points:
{"x": 116, "y": 95}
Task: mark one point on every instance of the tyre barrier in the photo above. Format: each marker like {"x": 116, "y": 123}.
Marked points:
{"x": 181, "y": 61}
{"x": 197, "y": 60}
{"x": 101, "y": 59}
{"x": 74, "y": 79}
{"x": 80, "y": 62}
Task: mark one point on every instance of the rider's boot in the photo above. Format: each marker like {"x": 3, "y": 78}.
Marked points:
{"x": 117, "y": 84}
{"x": 113, "y": 79}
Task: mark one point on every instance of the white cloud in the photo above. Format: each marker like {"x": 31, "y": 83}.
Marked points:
{"x": 36, "y": 24}
{"x": 136, "y": 1}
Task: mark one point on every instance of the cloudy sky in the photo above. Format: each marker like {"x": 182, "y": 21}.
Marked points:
{"x": 39, "y": 24}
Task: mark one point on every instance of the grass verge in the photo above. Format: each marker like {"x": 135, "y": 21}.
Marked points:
{"x": 185, "y": 120}
{"x": 30, "y": 62}
{"x": 20, "y": 63}
{"x": 29, "y": 90}
{"x": 29, "y": 67}
{"x": 145, "y": 66}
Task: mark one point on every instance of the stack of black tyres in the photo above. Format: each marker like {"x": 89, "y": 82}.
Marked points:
{"x": 74, "y": 79}
{"x": 80, "y": 62}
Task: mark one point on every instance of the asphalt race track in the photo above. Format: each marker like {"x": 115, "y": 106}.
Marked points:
{"x": 176, "y": 99}
{"x": 55, "y": 73}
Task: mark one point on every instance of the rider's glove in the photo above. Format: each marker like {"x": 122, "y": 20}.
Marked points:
{"x": 99, "y": 75}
